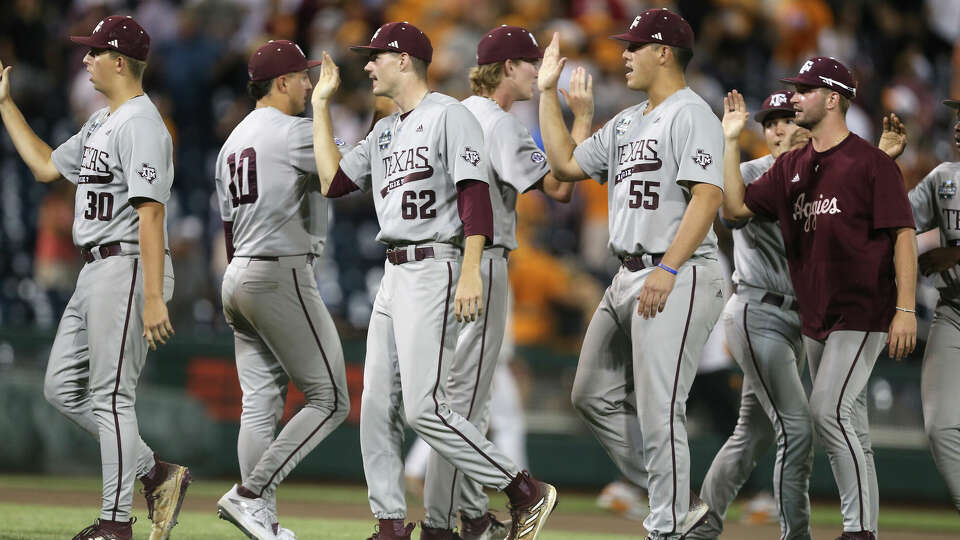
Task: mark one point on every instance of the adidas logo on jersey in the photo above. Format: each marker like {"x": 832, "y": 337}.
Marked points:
{"x": 657, "y": 36}
{"x": 393, "y": 44}
{"x": 796, "y": 178}
{"x": 420, "y": 128}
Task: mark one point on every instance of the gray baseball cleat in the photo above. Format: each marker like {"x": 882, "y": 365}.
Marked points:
{"x": 696, "y": 515}
{"x": 252, "y": 516}
{"x": 485, "y": 527}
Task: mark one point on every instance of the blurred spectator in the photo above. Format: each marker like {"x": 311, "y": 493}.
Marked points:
{"x": 57, "y": 261}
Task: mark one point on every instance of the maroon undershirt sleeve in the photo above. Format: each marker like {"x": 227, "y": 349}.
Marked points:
{"x": 476, "y": 213}
{"x": 228, "y": 239}
{"x": 341, "y": 185}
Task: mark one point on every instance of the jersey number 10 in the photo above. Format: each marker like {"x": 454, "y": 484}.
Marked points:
{"x": 243, "y": 177}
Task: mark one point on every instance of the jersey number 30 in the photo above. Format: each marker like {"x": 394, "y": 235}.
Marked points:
{"x": 243, "y": 178}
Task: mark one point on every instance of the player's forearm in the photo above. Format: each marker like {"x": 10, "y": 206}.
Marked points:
{"x": 557, "y": 190}
{"x": 152, "y": 251}
{"x": 734, "y": 190}
{"x": 325, "y": 150}
{"x": 905, "y": 265}
{"x": 696, "y": 222}
{"x": 557, "y": 142}
{"x": 582, "y": 124}
{"x": 472, "y": 252}
{"x": 34, "y": 152}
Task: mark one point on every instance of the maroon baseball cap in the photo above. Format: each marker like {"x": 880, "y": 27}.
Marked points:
{"x": 777, "y": 104}
{"x": 399, "y": 37}
{"x": 507, "y": 43}
{"x": 825, "y": 72}
{"x": 118, "y": 33}
{"x": 277, "y": 57}
{"x": 659, "y": 26}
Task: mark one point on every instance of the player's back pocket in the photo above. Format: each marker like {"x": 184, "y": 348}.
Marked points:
{"x": 259, "y": 286}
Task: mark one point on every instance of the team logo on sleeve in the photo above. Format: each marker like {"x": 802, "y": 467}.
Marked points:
{"x": 622, "y": 125}
{"x": 537, "y": 157}
{"x": 702, "y": 158}
{"x": 471, "y": 156}
{"x": 383, "y": 141}
{"x": 148, "y": 173}
{"x": 947, "y": 190}
{"x": 338, "y": 141}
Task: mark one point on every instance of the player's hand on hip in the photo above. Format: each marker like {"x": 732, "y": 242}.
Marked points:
{"x": 894, "y": 137}
{"x": 653, "y": 295}
{"x": 580, "y": 96}
{"x": 939, "y": 259}
{"x": 4, "y": 82}
{"x": 156, "y": 323}
{"x": 468, "y": 301}
{"x": 902, "y": 336}
{"x": 327, "y": 82}
{"x": 551, "y": 66}
{"x": 735, "y": 115}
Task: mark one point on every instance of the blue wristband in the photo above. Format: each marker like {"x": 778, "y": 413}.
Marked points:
{"x": 667, "y": 268}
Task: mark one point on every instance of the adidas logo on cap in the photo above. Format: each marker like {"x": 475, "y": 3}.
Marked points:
{"x": 113, "y": 43}
{"x": 657, "y": 36}
{"x": 393, "y": 44}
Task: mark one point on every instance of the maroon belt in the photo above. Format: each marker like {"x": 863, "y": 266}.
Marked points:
{"x": 635, "y": 264}
{"x": 399, "y": 255}
{"x": 106, "y": 250}
{"x": 777, "y": 300}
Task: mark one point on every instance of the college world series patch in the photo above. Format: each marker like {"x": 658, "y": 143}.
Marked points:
{"x": 148, "y": 173}
{"x": 383, "y": 141}
{"x": 947, "y": 190}
{"x": 702, "y": 158}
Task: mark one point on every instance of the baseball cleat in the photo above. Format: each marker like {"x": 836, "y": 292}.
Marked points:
{"x": 527, "y": 522}
{"x": 284, "y": 534}
{"x": 696, "y": 515}
{"x": 252, "y": 516}
{"x": 485, "y": 527}
{"x": 392, "y": 529}
{"x": 434, "y": 533}
{"x": 624, "y": 499}
{"x": 107, "y": 530}
{"x": 165, "y": 500}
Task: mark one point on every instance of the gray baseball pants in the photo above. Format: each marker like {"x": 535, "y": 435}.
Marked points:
{"x": 765, "y": 341}
{"x": 468, "y": 393}
{"x": 840, "y": 367}
{"x": 94, "y": 366}
{"x": 941, "y": 410}
{"x": 282, "y": 332}
{"x": 633, "y": 380}
{"x": 411, "y": 343}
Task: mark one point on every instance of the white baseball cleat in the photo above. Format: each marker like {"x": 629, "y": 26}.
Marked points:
{"x": 253, "y": 517}
{"x": 285, "y": 534}
{"x": 696, "y": 515}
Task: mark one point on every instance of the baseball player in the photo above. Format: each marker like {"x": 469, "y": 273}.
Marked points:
{"x": 936, "y": 203}
{"x": 122, "y": 164}
{"x": 660, "y": 160}
{"x": 275, "y": 219}
{"x": 762, "y": 328}
{"x": 837, "y": 193}
{"x": 425, "y": 167}
{"x": 506, "y": 71}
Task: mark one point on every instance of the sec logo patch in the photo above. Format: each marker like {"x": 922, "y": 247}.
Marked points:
{"x": 537, "y": 157}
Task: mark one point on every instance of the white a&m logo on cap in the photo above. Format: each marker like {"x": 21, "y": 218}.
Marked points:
{"x": 806, "y": 66}
{"x": 636, "y": 21}
{"x": 777, "y": 100}
{"x": 533, "y": 39}
{"x": 97, "y": 29}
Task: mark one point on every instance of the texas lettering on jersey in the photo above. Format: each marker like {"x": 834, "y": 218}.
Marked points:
{"x": 94, "y": 160}
{"x": 642, "y": 150}
{"x": 411, "y": 163}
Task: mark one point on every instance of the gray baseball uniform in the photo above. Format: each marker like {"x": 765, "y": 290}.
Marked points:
{"x": 514, "y": 165}
{"x": 647, "y": 161}
{"x": 100, "y": 349}
{"x": 267, "y": 186}
{"x": 412, "y": 163}
{"x": 762, "y": 329}
{"x": 936, "y": 203}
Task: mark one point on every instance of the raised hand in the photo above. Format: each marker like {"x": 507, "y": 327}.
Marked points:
{"x": 735, "y": 115}
{"x": 580, "y": 96}
{"x": 894, "y": 137}
{"x": 328, "y": 82}
{"x": 4, "y": 82}
{"x": 551, "y": 66}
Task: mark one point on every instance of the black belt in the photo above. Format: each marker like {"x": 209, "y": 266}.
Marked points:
{"x": 635, "y": 263}
{"x": 399, "y": 255}
{"x": 777, "y": 300}
{"x": 106, "y": 250}
{"x": 310, "y": 257}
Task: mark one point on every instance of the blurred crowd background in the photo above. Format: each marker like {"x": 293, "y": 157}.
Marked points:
{"x": 903, "y": 54}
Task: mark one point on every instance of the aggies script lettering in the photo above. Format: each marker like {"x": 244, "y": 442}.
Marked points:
{"x": 808, "y": 211}
{"x": 645, "y": 150}
{"x": 413, "y": 160}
